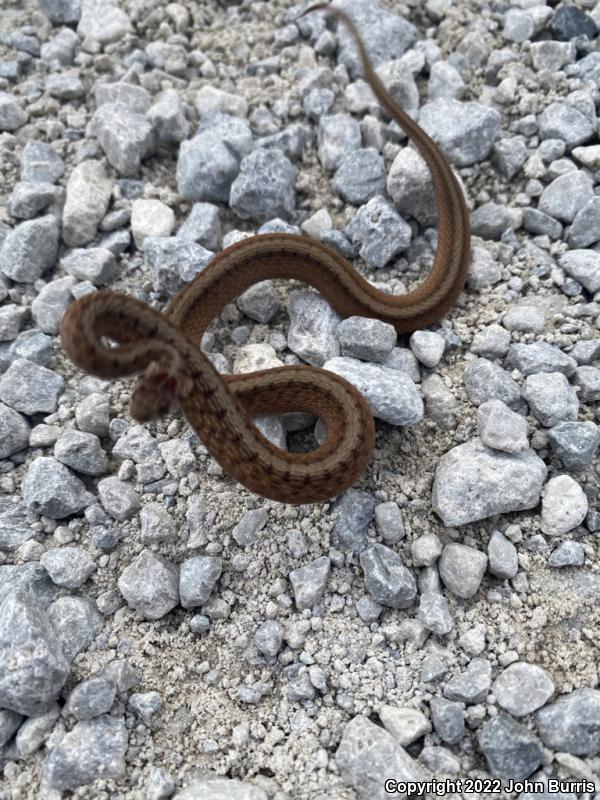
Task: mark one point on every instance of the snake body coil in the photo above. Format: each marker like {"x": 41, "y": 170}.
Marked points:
{"x": 166, "y": 347}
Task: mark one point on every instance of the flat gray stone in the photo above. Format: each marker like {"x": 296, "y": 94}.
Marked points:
{"x": 575, "y": 443}
{"x": 539, "y": 357}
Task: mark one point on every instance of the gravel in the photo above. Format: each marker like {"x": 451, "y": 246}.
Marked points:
{"x": 34, "y": 668}
{"x": 511, "y": 751}
{"x": 165, "y": 633}
{"x": 571, "y": 724}
{"x": 522, "y": 688}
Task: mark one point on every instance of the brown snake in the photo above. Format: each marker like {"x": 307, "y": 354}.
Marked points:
{"x": 220, "y": 407}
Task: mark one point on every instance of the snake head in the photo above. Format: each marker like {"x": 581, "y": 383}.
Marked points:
{"x": 157, "y": 391}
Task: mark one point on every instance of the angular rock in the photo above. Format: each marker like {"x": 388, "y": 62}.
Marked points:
{"x": 92, "y": 749}
{"x": 353, "y": 513}
{"x": 30, "y": 578}
{"x": 118, "y": 497}
{"x": 313, "y": 324}
{"x": 125, "y": 136}
{"x": 392, "y": 395}
{"x": 500, "y": 428}
{"x": 102, "y": 21}
{"x": 472, "y": 685}
{"x": 465, "y": 131}
{"x": 51, "y": 489}
{"x": 82, "y": 452}
{"x": 88, "y": 194}
{"x": 405, "y": 724}
{"x": 33, "y": 668}
{"x": 264, "y": 187}
{"x": 448, "y": 720}
{"x": 564, "y": 198}
{"x": 77, "y": 622}
{"x": 584, "y": 267}
{"x": 12, "y": 114}
{"x": 485, "y": 380}
{"x": 14, "y": 433}
{"x": 551, "y": 398}
{"x": 40, "y": 163}
{"x": 174, "y": 261}
{"x": 502, "y": 556}
{"x": 68, "y": 566}
{"x": 91, "y": 698}
{"x": 366, "y": 339}
{"x": 511, "y": 751}
{"x": 575, "y": 443}
{"x": 150, "y": 585}
{"x": 30, "y": 249}
{"x": 473, "y": 482}
{"x": 61, "y": 12}
{"x": 572, "y": 723}
{"x": 197, "y": 579}
{"x": 368, "y": 755}
{"x": 309, "y": 582}
{"x": 379, "y": 232}
{"x": 539, "y": 357}
{"x": 387, "y": 580}
{"x": 95, "y": 264}
{"x": 51, "y": 303}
